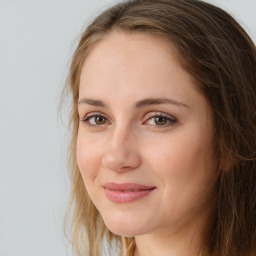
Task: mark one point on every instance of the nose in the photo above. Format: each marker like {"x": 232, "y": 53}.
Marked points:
{"x": 121, "y": 153}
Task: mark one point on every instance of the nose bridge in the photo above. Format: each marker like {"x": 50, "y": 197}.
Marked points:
{"x": 121, "y": 136}
{"x": 121, "y": 152}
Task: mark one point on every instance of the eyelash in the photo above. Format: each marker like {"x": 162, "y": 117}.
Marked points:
{"x": 91, "y": 116}
{"x": 170, "y": 120}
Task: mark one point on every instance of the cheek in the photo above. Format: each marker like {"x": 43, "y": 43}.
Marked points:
{"x": 185, "y": 174}
{"x": 182, "y": 161}
{"x": 87, "y": 158}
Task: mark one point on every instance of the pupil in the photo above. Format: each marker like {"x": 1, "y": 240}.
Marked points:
{"x": 100, "y": 120}
{"x": 160, "y": 120}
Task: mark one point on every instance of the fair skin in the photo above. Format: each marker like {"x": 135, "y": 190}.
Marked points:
{"x": 142, "y": 121}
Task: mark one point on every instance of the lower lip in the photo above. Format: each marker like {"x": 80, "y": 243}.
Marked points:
{"x": 118, "y": 196}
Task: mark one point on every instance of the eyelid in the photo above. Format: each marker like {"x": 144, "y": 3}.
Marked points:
{"x": 90, "y": 115}
{"x": 159, "y": 113}
{"x": 172, "y": 120}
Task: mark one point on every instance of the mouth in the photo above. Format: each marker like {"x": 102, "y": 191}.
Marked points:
{"x": 126, "y": 192}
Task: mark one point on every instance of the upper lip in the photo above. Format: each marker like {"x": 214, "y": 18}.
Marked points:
{"x": 126, "y": 186}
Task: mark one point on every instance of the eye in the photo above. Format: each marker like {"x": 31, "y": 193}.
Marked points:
{"x": 95, "y": 119}
{"x": 160, "y": 119}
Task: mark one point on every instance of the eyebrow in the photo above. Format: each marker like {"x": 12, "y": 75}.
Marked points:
{"x": 139, "y": 104}
{"x": 157, "y": 101}
{"x": 97, "y": 103}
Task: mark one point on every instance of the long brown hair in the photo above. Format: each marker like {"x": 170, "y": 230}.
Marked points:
{"x": 221, "y": 57}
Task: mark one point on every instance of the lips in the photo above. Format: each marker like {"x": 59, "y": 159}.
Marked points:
{"x": 126, "y": 192}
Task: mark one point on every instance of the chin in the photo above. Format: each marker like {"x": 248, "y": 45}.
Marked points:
{"x": 123, "y": 231}
{"x": 123, "y": 226}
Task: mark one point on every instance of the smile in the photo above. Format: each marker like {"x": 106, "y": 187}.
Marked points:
{"x": 127, "y": 192}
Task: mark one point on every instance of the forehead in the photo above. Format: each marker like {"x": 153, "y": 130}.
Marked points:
{"x": 139, "y": 60}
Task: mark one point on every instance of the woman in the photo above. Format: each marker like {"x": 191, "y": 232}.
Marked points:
{"x": 162, "y": 154}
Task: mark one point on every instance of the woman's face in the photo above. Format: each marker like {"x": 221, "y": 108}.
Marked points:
{"x": 145, "y": 145}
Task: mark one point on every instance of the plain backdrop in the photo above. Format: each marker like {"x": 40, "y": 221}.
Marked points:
{"x": 37, "y": 39}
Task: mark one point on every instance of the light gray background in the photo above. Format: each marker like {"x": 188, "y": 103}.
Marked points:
{"x": 37, "y": 39}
